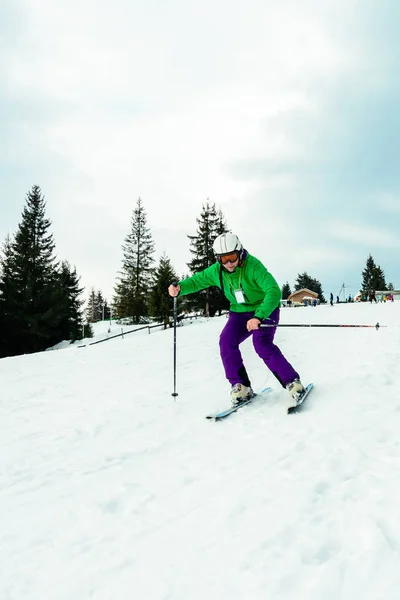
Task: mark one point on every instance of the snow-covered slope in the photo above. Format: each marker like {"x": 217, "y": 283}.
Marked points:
{"x": 110, "y": 489}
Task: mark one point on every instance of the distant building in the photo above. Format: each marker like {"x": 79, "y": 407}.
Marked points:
{"x": 299, "y": 296}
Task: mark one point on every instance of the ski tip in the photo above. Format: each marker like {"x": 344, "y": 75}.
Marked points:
{"x": 225, "y": 413}
{"x": 265, "y": 390}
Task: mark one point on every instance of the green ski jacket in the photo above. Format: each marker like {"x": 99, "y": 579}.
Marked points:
{"x": 260, "y": 290}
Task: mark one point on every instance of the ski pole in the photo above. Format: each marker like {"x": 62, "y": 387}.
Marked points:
{"x": 263, "y": 325}
{"x": 174, "y": 393}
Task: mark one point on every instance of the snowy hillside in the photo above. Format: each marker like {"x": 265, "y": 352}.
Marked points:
{"x": 111, "y": 490}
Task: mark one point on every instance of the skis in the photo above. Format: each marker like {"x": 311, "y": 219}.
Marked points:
{"x": 225, "y": 413}
{"x": 300, "y": 401}
{"x": 229, "y": 411}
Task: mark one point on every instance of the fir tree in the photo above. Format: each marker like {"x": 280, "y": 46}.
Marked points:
{"x": 71, "y": 303}
{"x": 305, "y": 281}
{"x": 220, "y": 225}
{"x": 91, "y": 312}
{"x": 160, "y": 302}
{"x": 100, "y": 306}
{"x": 97, "y": 308}
{"x": 106, "y": 311}
{"x": 10, "y": 317}
{"x": 286, "y": 291}
{"x": 134, "y": 283}
{"x": 373, "y": 277}
{"x": 35, "y": 290}
{"x": 211, "y": 223}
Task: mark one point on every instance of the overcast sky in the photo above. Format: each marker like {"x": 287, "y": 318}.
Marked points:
{"x": 285, "y": 114}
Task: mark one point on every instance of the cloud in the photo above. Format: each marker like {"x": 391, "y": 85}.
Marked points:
{"x": 389, "y": 203}
{"x": 284, "y": 114}
{"x": 366, "y": 236}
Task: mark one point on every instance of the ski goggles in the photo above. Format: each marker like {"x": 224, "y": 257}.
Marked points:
{"x": 229, "y": 257}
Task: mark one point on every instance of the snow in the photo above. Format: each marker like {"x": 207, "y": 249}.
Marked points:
{"x": 103, "y": 330}
{"x": 111, "y": 489}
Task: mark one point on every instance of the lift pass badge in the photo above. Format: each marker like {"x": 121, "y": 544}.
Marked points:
{"x": 239, "y": 296}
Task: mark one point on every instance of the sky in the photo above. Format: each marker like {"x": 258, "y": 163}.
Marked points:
{"x": 285, "y": 115}
{"x": 110, "y": 488}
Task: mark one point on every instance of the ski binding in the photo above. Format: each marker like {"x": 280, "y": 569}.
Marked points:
{"x": 299, "y": 402}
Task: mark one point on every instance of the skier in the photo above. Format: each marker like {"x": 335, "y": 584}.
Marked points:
{"x": 254, "y": 298}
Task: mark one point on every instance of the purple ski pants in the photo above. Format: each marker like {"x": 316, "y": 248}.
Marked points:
{"x": 235, "y": 332}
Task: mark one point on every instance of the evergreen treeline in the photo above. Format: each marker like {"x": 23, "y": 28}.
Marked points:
{"x": 97, "y": 308}
{"x": 373, "y": 278}
{"x": 39, "y": 297}
{"x": 141, "y": 289}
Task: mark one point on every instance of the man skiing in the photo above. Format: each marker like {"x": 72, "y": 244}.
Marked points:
{"x": 254, "y": 298}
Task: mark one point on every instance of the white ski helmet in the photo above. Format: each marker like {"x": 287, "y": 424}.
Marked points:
{"x": 226, "y": 243}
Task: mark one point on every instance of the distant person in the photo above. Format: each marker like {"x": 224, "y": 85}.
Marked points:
{"x": 314, "y": 302}
{"x": 337, "y": 300}
{"x": 372, "y": 297}
{"x": 254, "y": 298}
{"x": 331, "y": 299}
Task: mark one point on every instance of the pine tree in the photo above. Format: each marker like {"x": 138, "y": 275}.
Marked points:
{"x": 211, "y": 223}
{"x": 100, "y": 306}
{"x": 36, "y": 290}
{"x": 97, "y": 308}
{"x": 106, "y": 311}
{"x": 373, "y": 277}
{"x": 160, "y": 302}
{"x": 305, "y": 281}
{"x": 286, "y": 291}
{"x": 134, "y": 283}
{"x": 10, "y": 317}
{"x": 91, "y": 312}
{"x": 367, "y": 276}
{"x": 220, "y": 225}
{"x": 71, "y": 303}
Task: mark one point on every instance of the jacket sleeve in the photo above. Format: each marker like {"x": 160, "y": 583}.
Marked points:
{"x": 267, "y": 283}
{"x": 200, "y": 281}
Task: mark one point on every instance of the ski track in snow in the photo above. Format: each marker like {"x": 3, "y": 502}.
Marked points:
{"x": 111, "y": 489}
